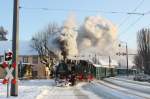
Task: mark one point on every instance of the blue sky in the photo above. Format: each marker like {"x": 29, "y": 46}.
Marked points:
{"x": 32, "y": 21}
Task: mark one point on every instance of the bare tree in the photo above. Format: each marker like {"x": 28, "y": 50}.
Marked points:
{"x": 3, "y": 33}
{"x": 40, "y": 44}
{"x": 143, "y": 40}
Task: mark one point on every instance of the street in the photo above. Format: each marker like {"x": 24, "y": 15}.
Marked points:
{"x": 109, "y": 88}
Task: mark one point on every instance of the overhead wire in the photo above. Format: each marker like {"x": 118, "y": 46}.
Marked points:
{"x": 82, "y": 10}
{"x": 136, "y": 21}
{"x": 131, "y": 25}
{"x": 133, "y": 11}
{"x": 140, "y": 14}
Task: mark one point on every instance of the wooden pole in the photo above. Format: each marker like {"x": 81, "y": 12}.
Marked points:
{"x": 15, "y": 39}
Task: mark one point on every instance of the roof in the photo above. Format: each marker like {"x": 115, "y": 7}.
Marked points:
{"x": 97, "y": 62}
{"x": 96, "y": 65}
{"x": 24, "y": 48}
{"x": 107, "y": 66}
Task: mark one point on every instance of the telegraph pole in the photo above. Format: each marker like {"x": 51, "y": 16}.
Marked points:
{"x": 127, "y": 69}
{"x": 127, "y": 59}
{"x": 15, "y": 39}
{"x": 109, "y": 62}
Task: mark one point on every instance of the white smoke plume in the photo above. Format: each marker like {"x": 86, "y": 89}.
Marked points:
{"x": 66, "y": 39}
{"x": 95, "y": 35}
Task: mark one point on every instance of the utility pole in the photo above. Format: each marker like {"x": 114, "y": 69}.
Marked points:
{"x": 127, "y": 70}
{"x": 15, "y": 39}
{"x": 127, "y": 59}
{"x": 109, "y": 62}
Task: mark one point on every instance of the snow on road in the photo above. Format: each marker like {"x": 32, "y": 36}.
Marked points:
{"x": 46, "y": 89}
{"x": 61, "y": 92}
{"x": 27, "y": 89}
{"x": 129, "y": 80}
{"x": 109, "y": 91}
{"x": 128, "y": 85}
{"x": 125, "y": 92}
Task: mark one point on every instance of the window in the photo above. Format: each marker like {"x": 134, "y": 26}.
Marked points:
{"x": 25, "y": 59}
{"x": 35, "y": 59}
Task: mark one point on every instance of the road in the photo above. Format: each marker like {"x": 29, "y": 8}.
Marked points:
{"x": 109, "y": 88}
{"x": 62, "y": 93}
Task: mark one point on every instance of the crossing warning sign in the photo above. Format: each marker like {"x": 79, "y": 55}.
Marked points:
{"x": 9, "y": 72}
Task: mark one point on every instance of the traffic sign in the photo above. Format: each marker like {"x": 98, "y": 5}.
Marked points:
{"x": 9, "y": 71}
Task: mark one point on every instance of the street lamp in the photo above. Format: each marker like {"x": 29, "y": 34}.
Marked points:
{"x": 126, "y": 55}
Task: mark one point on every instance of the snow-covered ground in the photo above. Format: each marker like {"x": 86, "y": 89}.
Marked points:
{"x": 130, "y": 85}
{"x": 110, "y": 88}
{"x": 130, "y": 80}
{"x": 28, "y": 89}
{"x": 46, "y": 89}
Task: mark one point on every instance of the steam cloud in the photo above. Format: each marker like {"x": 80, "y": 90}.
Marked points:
{"x": 96, "y": 35}
{"x": 67, "y": 38}
{"x": 63, "y": 42}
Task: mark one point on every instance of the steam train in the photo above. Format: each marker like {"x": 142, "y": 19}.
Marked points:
{"x": 82, "y": 69}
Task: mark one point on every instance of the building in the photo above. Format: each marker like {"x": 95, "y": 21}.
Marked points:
{"x": 29, "y": 65}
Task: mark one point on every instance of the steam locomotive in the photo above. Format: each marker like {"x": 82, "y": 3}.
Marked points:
{"x": 83, "y": 70}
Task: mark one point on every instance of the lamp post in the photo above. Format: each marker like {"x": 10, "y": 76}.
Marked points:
{"x": 127, "y": 72}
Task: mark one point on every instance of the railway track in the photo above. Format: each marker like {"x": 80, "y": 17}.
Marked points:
{"x": 124, "y": 90}
{"x": 127, "y": 85}
{"x": 130, "y": 81}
